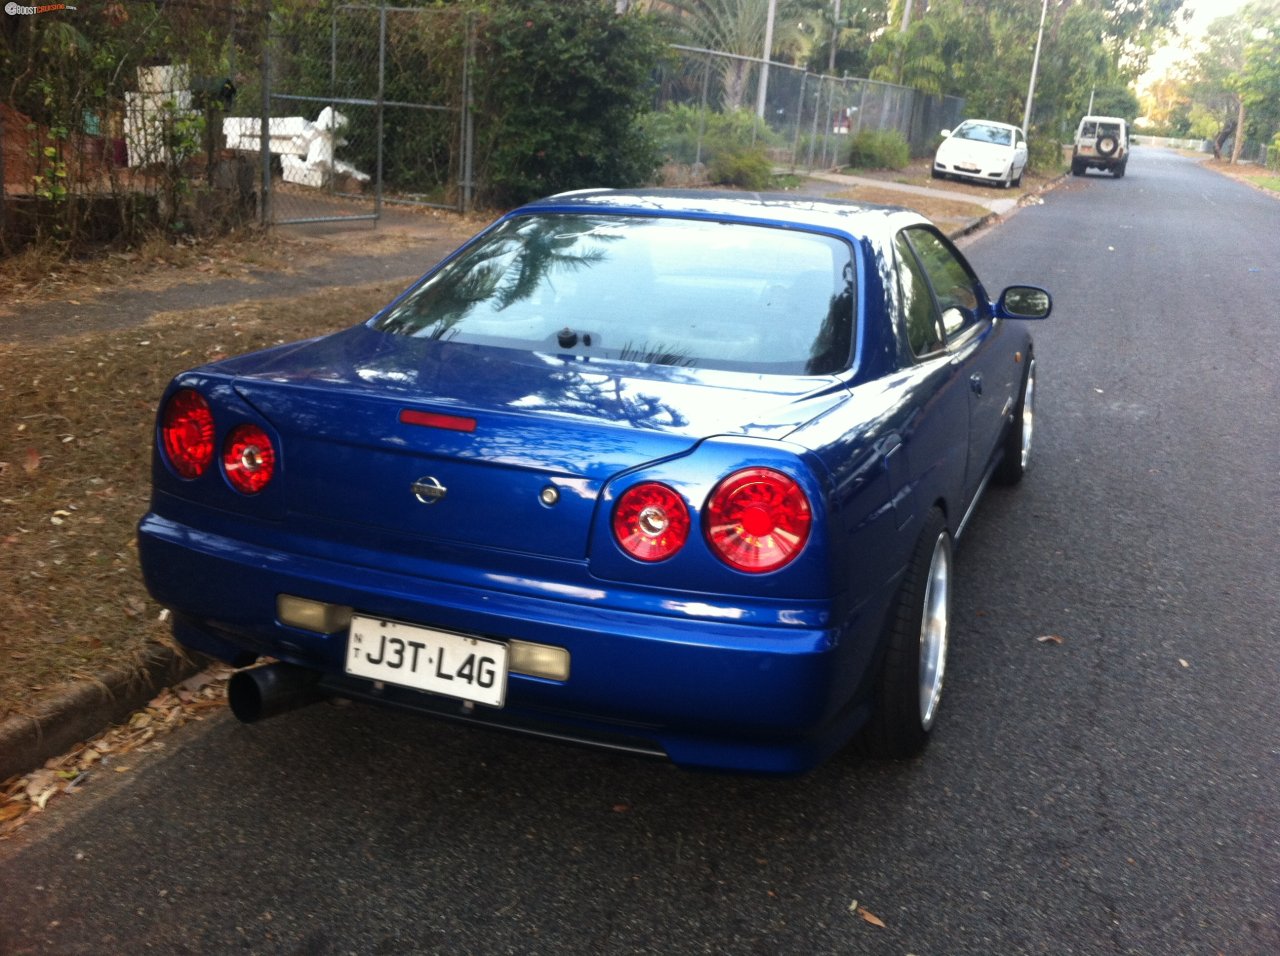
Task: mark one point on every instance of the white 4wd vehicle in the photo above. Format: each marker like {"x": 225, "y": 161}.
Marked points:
{"x": 1102, "y": 142}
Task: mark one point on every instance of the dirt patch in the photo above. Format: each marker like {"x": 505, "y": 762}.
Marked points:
{"x": 1255, "y": 175}
{"x": 918, "y": 173}
{"x": 76, "y": 423}
{"x": 948, "y": 214}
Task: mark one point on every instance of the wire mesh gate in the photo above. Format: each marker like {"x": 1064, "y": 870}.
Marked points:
{"x": 369, "y": 109}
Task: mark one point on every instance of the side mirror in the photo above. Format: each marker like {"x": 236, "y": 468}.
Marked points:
{"x": 945, "y": 133}
{"x": 1024, "y": 302}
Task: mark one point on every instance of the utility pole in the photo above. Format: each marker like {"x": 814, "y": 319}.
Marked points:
{"x": 763, "y": 87}
{"x": 835, "y": 38}
{"x": 1035, "y": 67}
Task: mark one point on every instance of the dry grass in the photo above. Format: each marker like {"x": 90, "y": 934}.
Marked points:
{"x": 76, "y": 423}
{"x": 1251, "y": 173}
{"x": 946, "y": 213}
{"x": 42, "y": 274}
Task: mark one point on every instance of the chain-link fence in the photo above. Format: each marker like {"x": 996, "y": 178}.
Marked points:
{"x": 194, "y": 116}
{"x": 366, "y": 104}
{"x": 808, "y": 119}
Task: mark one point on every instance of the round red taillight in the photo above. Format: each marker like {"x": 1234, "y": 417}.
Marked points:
{"x": 186, "y": 433}
{"x": 757, "y": 520}
{"x": 249, "y": 459}
{"x": 651, "y": 522}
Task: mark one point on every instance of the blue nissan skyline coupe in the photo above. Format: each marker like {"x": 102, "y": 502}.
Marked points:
{"x": 673, "y": 473}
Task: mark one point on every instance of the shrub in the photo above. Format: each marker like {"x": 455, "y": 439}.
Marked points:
{"x": 677, "y": 131}
{"x": 1044, "y": 153}
{"x": 561, "y": 84}
{"x": 879, "y": 149}
{"x": 746, "y": 168}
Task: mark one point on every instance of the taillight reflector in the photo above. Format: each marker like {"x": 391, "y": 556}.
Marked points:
{"x": 248, "y": 458}
{"x": 651, "y": 522}
{"x": 186, "y": 433}
{"x": 455, "y": 423}
{"x": 757, "y": 520}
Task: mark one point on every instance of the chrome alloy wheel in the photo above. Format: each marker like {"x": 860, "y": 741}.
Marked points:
{"x": 1028, "y": 414}
{"x": 934, "y": 630}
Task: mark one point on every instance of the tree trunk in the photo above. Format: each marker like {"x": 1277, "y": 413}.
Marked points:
{"x": 1238, "y": 148}
{"x": 1224, "y": 134}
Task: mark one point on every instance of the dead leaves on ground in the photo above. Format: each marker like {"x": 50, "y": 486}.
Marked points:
{"x": 22, "y": 797}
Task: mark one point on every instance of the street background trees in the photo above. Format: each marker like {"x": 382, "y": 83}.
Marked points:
{"x": 1229, "y": 90}
{"x": 558, "y": 94}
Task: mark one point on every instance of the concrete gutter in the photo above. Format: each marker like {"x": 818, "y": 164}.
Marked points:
{"x": 83, "y": 709}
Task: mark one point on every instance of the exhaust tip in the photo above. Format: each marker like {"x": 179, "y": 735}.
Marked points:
{"x": 272, "y": 689}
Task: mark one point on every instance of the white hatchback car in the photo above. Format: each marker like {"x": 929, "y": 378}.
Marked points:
{"x": 982, "y": 150}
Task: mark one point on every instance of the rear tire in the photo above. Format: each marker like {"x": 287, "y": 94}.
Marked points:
{"x": 909, "y": 686}
{"x": 1077, "y": 168}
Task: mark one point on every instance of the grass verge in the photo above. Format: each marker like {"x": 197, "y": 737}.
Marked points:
{"x": 76, "y": 421}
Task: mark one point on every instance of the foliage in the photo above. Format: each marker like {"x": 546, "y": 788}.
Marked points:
{"x": 982, "y": 50}
{"x": 858, "y": 26}
{"x": 66, "y": 81}
{"x": 1233, "y": 85}
{"x": 560, "y": 86}
{"x": 879, "y": 149}
{"x": 745, "y": 167}
{"x": 738, "y": 27}
{"x": 686, "y": 134}
{"x": 1259, "y": 79}
{"x": 1044, "y": 152}
{"x": 1117, "y": 101}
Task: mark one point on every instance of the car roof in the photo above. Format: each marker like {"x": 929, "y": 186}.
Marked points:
{"x": 786, "y": 209}
{"x": 1102, "y": 119}
{"x": 987, "y": 122}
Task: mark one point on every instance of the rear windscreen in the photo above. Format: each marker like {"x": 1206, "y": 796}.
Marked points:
{"x": 654, "y": 290}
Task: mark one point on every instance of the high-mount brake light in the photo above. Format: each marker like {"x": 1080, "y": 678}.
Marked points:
{"x": 248, "y": 458}
{"x": 186, "y": 433}
{"x": 757, "y": 520}
{"x": 651, "y": 521}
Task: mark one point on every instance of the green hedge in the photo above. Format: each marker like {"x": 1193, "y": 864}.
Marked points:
{"x": 879, "y": 149}
{"x": 560, "y": 87}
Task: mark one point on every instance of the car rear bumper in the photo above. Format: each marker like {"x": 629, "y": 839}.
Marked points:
{"x": 702, "y": 691}
{"x": 978, "y": 175}
{"x": 1097, "y": 162}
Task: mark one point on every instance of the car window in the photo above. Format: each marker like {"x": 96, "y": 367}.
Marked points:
{"x": 954, "y": 285}
{"x": 924, "y": 331}
{"x": 985, "y": 134}
{"x": 644, "y": 289}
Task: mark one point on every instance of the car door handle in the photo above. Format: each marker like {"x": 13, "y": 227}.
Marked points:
{"x": 975, "y": 383}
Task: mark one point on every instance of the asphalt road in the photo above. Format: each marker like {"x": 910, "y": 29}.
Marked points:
{"x": 1118, "y": 792}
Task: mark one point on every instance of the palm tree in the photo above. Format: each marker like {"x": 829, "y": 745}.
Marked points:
{"x": 738, "y": 27}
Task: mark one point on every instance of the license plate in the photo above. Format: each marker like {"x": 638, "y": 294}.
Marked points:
{"x": 965, "y": 168}
{"x": 440, "y": 662}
